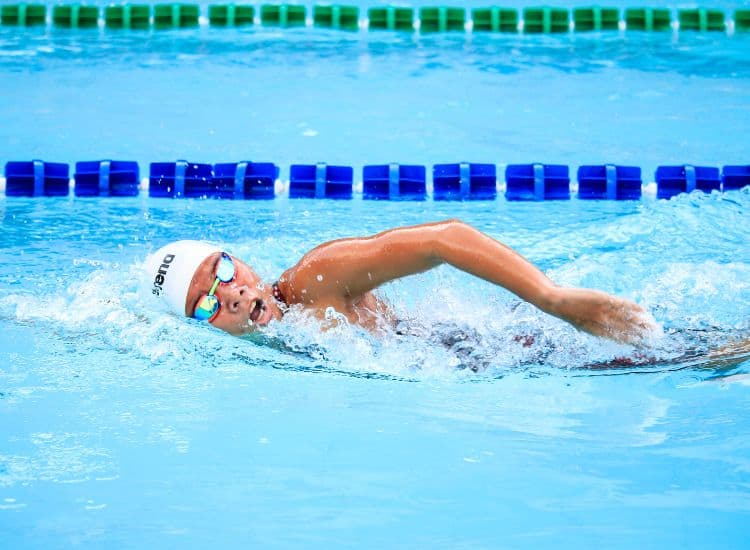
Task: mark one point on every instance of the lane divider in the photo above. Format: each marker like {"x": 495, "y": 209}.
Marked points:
{"x": 394, "y": 182}
{"x": 609, "y": 182}
{"x": 453, "y": 181}
{"x": 467, "y": 181}
{"x": 127, "y": 16}
{"x": 441, "y": 19}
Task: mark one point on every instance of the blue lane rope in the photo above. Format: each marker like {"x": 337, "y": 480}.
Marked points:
{"x": 320, "y": 180}
{"x": 239, "y": 180}
{"x": 459, "y": 181}
{"x": 38, "y": 178}
{"x": 104, "y": 168}
{"x": 611, "y": 171}
{"x": 465, "y": 179}
{"x": 179, "y": 178}
{"x": 689, "y": 178}
{"x": 394, "y": 181}
{"x": 539, "y": 182}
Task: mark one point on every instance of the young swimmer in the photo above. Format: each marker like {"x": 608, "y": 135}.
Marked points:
{"x": 202, "y": 281}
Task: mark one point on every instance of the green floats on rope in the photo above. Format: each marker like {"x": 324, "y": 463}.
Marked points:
{"x": 442, "y": 19}
{"x": 75, "y": 16}
{"x": 391, "y": 18}
{"x": 284, "y": 15}
{"x": 128, "y": 16}
{"x": 596, "y": 19}
{"x": 175, "y": 16}
{"x": 648, "y": 19}
{"x": 701, "y": 19}
{"x": 495, "y": 19}
{"x": 742, "y": 20}
{"x": 546, "y": 20}
{"x": 231, "y": 15}
{"x": 23, "y": 14}
{"x": 336, "y": 17}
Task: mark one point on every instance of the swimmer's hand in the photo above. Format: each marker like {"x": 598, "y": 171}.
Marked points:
{"x": 602, "y": 314}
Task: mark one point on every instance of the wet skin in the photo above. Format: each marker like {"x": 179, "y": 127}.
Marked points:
{"x": 342, "y": 274}
{"x": 247, "y": 303}
{"x": 244, "y": 303}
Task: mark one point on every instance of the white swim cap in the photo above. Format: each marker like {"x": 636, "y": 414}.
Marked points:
{"x": 171, "y": 268}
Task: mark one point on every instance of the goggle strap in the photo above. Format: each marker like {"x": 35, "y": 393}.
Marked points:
{"x": 213, "y": 287}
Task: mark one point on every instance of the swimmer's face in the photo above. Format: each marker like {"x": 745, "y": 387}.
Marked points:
{"x": 245, "y": 303}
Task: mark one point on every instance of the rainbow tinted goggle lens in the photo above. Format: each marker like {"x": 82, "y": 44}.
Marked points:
{"x": 208, "y": 305}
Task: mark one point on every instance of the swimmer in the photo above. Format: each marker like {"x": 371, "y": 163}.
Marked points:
{"x": 202, "y": 281}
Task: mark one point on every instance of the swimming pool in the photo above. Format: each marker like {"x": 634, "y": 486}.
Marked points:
{"x": 122, "y": 426}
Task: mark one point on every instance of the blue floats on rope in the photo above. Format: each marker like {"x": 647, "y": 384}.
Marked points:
{"x": 673, "y": 180}
{"x": 320, "y": 181}
{"x": 36, "y": 178}
{"x": 464, "y": 181}
{"x": 106, "y": 178}
{"x": 537, "y": 182}
{"x": 180, "y": 179}
{"x": 245, "y": 180}
{"x": 394, "y": 182}
{"x": 735, "y": 177}
{"x": 609, "y": 182}
{"x": 233, "y": 180}
{"x": 458, "y": 181}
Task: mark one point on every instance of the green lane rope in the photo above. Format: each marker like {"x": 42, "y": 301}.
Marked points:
{"x": 596, "y": 18}
{"x": 75, "y": 16}
{"x": 648, "y": 19}
{"x": 23, "y": 15}
{"x": 546, "y": 20}
{"x": 537, "y": 19}
{"x": 336, "y": 17}
{"x": 283, "y": 15}
{"x": 742, "y": 20}
{"x": 701, "y": 19}
{"x": 128, "y": 16}
{"x": 231, "y": 15}
{"x": 495, "y": 19}
{"x": 391, "y": 18}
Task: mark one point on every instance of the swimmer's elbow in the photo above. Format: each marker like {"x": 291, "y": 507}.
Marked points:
{"x": 454, "y": 223}
{"x": 451, "y": 230}
{"x": 449, "y": 234}
{"x": 443, "y": 236}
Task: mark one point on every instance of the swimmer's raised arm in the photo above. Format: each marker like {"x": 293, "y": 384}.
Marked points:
{"x": 348, "y": 268}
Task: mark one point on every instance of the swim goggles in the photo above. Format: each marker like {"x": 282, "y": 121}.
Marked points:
{"x": 208, "y": 305}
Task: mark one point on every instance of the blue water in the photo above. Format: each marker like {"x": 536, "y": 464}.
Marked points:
{"x": 121, "y": 426}
{"x": 307, "y": 95}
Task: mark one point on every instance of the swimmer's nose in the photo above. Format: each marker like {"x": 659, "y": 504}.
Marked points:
{"x": 237, "y": 298}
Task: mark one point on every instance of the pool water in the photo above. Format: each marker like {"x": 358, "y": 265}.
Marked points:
{"x": 124, "y": 426}
{"x": 308, "y": 95}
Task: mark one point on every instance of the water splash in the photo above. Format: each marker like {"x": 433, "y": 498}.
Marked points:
{"x": 685, "y": 260}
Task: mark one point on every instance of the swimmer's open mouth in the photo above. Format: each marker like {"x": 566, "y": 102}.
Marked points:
{"x": 258, "y": 308}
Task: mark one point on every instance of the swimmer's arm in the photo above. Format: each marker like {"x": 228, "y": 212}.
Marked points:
{"x": 355, "y": 266}
{"x": 348, "y": 268}
{"x": 592, "y": 311}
